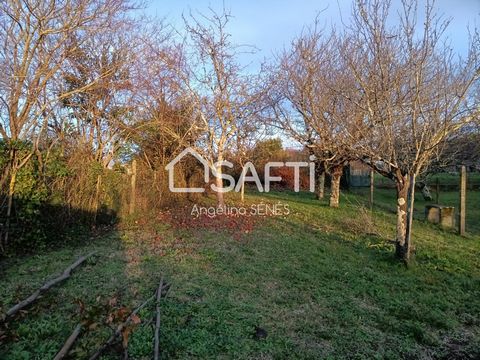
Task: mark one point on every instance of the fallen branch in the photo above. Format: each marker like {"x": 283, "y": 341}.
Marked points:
{"x": 68, "y": 344}
{"x": 120, "y": 328}
{"x": 156, "y": 354}
{"x": 45, "y": 287}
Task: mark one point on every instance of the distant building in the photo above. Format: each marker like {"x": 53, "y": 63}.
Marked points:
{"x": 357, "y": 174}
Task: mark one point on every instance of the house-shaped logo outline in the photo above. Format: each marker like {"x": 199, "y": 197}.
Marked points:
{"x": 170, "y": 168}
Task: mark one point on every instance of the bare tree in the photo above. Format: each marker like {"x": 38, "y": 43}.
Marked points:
{"x": 36, "y": 38}
{"x": 310, "y": 105}
{"x": 413, "y": 93}
{"x": 222, "y": 92}
{"x": 166, "y": 122}
{"x": 249, "y": 133}
{"x": 100, "y": 116}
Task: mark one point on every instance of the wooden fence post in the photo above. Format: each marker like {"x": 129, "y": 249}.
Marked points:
{"x": 463, "y": 191}
{"x": 372, "y": 184}
{"x": 133, "y": 185}
{"x": 97, "y": 197}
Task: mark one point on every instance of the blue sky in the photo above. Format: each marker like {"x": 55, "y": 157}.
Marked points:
{"x": 270, "y": 25}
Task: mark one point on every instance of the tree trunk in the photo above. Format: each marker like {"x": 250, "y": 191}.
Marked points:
{"x": 320, "y": 176}
{"x": 335, "y": 186}
{"x": 411, "y": 203}
{"x": 219, "y": 183}
{"x": 321, "y": 186}
{"x": 372, "y": 186}
{"x": 401, "y": 245}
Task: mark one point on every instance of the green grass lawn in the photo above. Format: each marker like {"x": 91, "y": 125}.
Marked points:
{"x": 448, "y": 180}
{"x": 321, "y": 282}
{"x": 384, "y": 199}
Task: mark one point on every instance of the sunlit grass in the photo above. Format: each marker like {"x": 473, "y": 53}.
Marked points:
{"x": 321, "y": 282}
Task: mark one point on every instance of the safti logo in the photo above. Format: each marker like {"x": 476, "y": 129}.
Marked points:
{"x": 248, "y": 168}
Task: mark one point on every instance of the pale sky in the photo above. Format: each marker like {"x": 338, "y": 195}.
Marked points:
{"x": 271, "y": 24}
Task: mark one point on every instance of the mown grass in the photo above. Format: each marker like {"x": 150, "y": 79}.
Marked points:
{"x": 384, "y": 199}
{"x": 321, "y": 282}
{"x": 448, "y": 180}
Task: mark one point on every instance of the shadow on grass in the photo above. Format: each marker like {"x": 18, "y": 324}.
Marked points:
{"x": 35, "y": 227}
{"x": 43, "y": 241}
{"x": 321, "y": 287}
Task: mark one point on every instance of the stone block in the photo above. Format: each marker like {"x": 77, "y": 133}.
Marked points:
{"x": 442, "y": 215}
